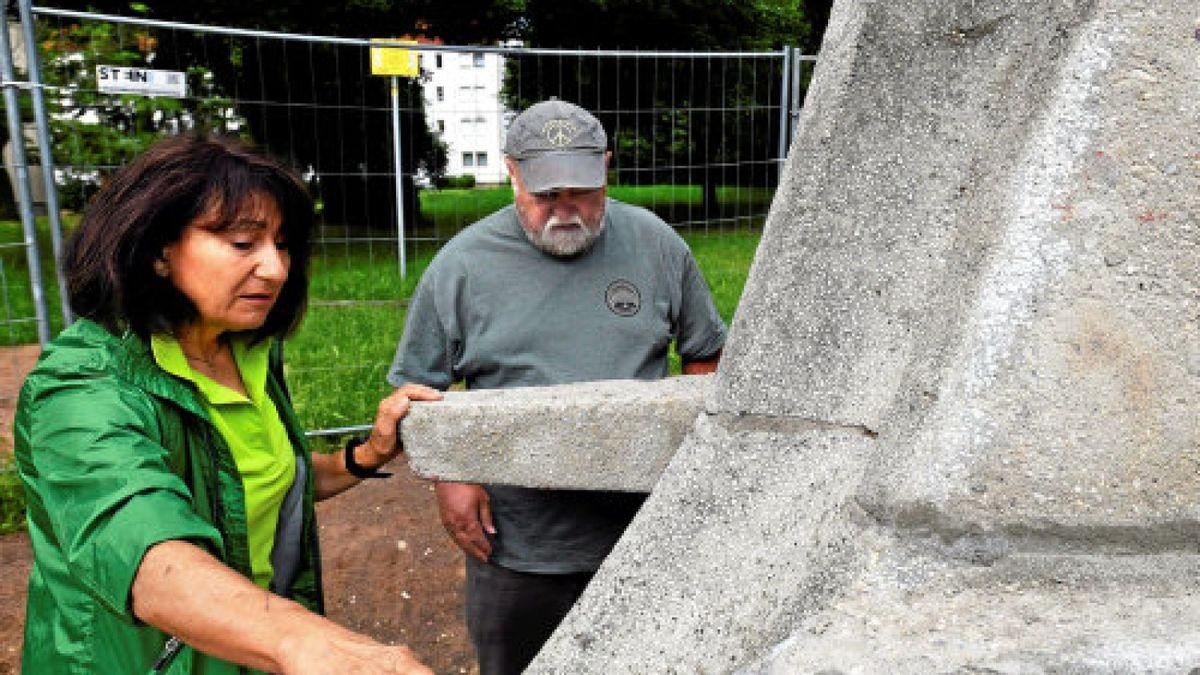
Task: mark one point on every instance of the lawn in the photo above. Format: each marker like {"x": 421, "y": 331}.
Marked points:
{"x": 338, "y": 360}
{"x": 17, "y": 323}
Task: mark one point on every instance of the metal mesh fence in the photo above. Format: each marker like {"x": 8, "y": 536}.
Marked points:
{"x": 398, "y": 165}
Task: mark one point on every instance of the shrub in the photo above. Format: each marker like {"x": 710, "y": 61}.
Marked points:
{"x": 465, "y": 181}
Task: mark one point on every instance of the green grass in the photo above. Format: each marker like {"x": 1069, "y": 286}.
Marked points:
{"x": 725, "y": 259}
{"x": 340, "y": 272}
{"x": 12, "y": 497}
{"x": 338, "y": 361}
{"x": 17, "y": 316}
{"x": 455, "y": 205}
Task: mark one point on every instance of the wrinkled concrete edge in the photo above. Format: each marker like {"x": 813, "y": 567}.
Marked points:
{"x": 609, "y": 435}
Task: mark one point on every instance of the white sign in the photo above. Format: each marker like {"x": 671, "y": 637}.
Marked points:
{"x": 125, "y": 80}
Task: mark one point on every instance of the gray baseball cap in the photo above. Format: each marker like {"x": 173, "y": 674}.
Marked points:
{"x": 557, "y": 145}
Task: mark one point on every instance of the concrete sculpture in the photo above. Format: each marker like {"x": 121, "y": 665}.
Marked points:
{"x": 957, "y": 427}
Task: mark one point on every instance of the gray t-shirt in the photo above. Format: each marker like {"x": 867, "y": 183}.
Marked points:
{"x": 494, "y": 311}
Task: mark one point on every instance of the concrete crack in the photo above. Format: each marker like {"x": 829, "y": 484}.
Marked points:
{"x": 784, "y": 424}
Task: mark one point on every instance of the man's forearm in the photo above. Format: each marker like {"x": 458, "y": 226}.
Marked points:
{"x": 702, "y": 367}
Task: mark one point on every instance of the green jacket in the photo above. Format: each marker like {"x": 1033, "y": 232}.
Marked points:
{"x": 116, "y": 455}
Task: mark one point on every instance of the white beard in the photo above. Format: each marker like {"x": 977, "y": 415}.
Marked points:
{"x": 565, "y": 238}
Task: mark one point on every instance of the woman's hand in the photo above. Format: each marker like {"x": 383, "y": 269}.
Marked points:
{"x": 347, "y": 654}
{"x": 329, "y": 470}
{"x": 384, "y": 442}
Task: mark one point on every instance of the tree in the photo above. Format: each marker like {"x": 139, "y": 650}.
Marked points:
{"x": 817, "y": 12}
{"x": 341, "y": 138}
{"x": 8, "y": 200}
{"x": 680, "y": 122}
{"x": 349, "y": 154}
{"x": 92, "y": 132}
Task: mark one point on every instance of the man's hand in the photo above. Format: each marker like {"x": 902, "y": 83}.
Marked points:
{"x": 467, "y": 516}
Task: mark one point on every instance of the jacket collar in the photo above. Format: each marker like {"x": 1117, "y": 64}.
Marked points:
{"x": 134, "y": 363}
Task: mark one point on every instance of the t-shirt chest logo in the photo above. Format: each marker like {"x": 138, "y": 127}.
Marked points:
{"x": 623, "y": 298}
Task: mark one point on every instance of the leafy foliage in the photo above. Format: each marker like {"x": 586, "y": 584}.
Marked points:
{"x": 694, "y": 25}
{"x": 329, "y": 118}
{"x": 352, "y": 175}
{"x": 94, "y": 132}
{"x": 684, "y": 130}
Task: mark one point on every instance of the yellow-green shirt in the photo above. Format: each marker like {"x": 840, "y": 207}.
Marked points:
{"x": 256, "y": 436}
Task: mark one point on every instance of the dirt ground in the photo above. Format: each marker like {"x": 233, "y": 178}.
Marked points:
{"x": 390, "y": 571}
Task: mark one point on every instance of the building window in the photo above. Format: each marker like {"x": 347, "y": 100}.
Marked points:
{"x": 441, "y": 125}
{"x": 437, "y": 60}
{"x": 478, "y": 60}
{"x": 481, "y": 159}
{"x": 468, "y": 159}
{"x": 441, "y": 94}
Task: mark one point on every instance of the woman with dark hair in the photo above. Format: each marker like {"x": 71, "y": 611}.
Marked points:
{"x": 170, "y": 493}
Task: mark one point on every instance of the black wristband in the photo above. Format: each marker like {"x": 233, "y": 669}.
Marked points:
{"x": 354, "y": 467}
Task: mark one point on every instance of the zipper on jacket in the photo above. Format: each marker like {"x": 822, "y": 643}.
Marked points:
{"x": 171, "y": 649}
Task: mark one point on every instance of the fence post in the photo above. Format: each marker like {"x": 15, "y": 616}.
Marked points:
{"x": 784, "y": 110}
{"x": 28, "y": 224}
{"x": 34, "y": 66}
{"x": 395, "y": 81}
{"x": 798, "y": 60}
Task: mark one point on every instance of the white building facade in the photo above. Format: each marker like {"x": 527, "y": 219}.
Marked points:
{"x": 462, "y": 104}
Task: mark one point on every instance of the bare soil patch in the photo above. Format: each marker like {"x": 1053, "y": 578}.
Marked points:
{"x": 15, "y": 363}
{"x": 15, "y": 560}
{"x": 389, "y": 569}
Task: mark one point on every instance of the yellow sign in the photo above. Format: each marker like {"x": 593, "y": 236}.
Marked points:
{"x": 394, "y": 60}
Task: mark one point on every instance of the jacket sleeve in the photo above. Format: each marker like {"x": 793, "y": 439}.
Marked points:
{"x": 104, "y": 483}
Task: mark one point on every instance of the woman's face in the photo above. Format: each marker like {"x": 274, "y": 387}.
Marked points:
{"x": 232, "y": 272}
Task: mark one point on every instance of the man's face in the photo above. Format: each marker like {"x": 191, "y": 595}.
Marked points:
{"x": 562, "y": 222}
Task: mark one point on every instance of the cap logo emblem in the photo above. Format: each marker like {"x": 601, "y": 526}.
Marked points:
{"x": 623, "y": 298}
{"x": 559, "y": 132}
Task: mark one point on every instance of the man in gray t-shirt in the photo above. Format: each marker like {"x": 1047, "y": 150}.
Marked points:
{"x": 563, "y": 286}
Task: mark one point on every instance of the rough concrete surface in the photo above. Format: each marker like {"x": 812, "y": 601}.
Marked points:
{"x": 609, "y": 435}
{"x": 1023, "y": 614}
{"x": 955, "y": 428}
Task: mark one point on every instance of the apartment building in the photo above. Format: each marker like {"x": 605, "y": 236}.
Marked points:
{"x": 462, "y": 104}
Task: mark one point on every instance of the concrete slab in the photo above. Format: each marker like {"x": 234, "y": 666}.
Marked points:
{"x": 610, "y": 435}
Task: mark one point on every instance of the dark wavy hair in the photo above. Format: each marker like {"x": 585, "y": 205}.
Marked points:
{"x": 109, "y": 260}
